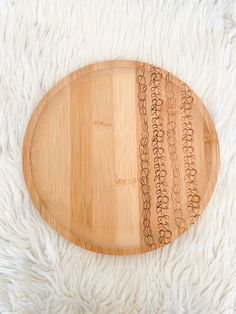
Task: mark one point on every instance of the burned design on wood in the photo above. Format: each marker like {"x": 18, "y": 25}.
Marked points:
{"x": 144, "y": 155}
{"x": 154, "y": 133}
{"x": 160, "y": 172}
{"x": 172, "y": 147}
{"x": 190, "y": 176}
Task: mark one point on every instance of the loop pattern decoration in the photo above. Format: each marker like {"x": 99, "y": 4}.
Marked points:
{"x": 193, "y": 198}
{"x": 160, "y": 172}
{"x": 172, "y": 146}
{"x": 144, "y": 155}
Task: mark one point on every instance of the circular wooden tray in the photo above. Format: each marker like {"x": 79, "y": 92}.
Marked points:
{"x": 120, "y": 157}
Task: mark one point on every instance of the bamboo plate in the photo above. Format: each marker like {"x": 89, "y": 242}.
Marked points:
{"x": 120, "y": 157}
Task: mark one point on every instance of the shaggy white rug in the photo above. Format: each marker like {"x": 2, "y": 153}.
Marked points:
{"x": 42, "y": 41}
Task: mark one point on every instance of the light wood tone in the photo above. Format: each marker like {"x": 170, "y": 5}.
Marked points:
{"x": 120, "y": 157}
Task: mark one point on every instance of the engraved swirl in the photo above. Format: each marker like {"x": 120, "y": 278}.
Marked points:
{"x": 190, "y": 176}
{"x": 172, "y": 147}
{"x": 160, "y": 172}
{"x": 144, "y": 155}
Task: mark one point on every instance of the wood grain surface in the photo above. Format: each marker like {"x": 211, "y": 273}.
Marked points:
{"x": 120, "y": 157}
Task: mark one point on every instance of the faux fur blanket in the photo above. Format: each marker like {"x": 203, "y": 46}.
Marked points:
{"x": 41, "y": 41}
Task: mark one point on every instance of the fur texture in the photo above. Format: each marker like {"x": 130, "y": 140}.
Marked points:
{"x": 42, "y": 41}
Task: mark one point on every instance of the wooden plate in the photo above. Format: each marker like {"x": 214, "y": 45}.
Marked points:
{"x": 120, "y": 157}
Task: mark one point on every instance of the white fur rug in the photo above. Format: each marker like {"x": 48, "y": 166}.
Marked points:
{"x": 42, "y": 41}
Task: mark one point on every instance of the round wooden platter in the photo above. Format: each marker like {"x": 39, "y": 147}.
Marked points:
{"x": 120, "y": 157}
